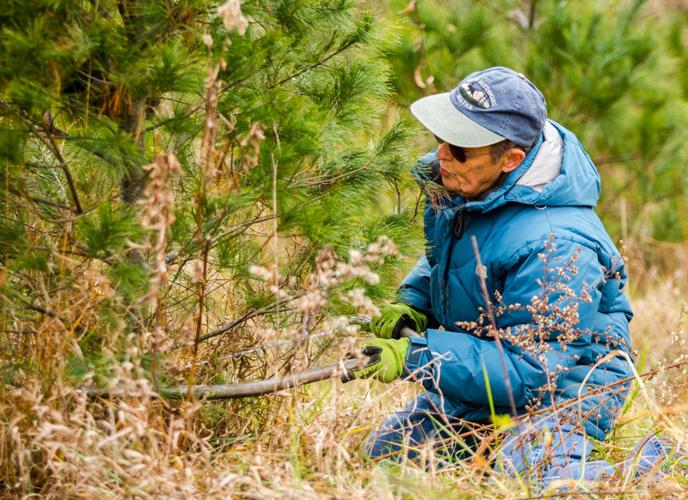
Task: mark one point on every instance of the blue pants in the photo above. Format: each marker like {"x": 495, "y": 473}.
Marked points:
{"x": 429, "y": 418}
{"x": 544, "y": 450}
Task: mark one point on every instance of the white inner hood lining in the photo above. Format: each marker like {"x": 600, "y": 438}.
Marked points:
{"x": 547, "y": 163}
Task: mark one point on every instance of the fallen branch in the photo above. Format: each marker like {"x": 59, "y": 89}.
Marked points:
{"x": 256, "y": 388}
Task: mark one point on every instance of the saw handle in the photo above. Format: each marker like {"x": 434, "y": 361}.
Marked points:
{"x": 405, "y": 332}
{"x": 372, "y": 353}
{"x": 409, "y": 333}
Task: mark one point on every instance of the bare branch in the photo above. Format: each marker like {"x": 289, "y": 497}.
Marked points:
{"x": 493, "y": 321}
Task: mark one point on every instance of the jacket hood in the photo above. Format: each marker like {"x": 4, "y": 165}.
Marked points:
{"x": 556, "y": 172}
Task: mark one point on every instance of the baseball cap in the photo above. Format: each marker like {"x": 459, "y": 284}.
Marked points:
{"x": 487, "y": 107}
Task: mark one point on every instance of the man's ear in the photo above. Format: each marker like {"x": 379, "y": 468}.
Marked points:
{"x": 512, "y": 159}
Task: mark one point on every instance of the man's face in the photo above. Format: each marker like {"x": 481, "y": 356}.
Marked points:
{"x": 478, "y": 173}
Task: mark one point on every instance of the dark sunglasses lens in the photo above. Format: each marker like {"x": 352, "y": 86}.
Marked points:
{"x": 457, "y": 151}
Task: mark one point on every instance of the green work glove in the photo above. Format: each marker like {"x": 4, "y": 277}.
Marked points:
{"x": 388, "y": 359}
{"x": 394, "y": 317}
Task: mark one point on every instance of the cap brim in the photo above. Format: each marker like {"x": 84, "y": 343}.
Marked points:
{"x": 438, "y": 114}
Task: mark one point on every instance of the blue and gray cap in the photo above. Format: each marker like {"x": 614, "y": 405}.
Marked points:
{"x": 485, "y": 108}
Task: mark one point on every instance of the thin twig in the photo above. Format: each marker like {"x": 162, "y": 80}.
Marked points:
{"x": 531, "y": 14}
{"x": 37, "y": 199}
{"x": 201, "y": 304}
{"x": 493, "y": 322}
{"x": 482, "y": 274}
{"x": 275, "y": 226}
{"x": 50, "y": 144}
{"x": 31, "y": 305}
{"x": 251, "y": 314}
{"x": 314, "y": 65}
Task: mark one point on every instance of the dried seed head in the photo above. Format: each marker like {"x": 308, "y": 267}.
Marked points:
{"x": 358, "y": 298}
{"x": 252, "y": 142}
{"x": 196, "y": 271}
{"x": 158, "y": 202}
{"x": 261, "y": 272}
{"x": 232, "y": 17}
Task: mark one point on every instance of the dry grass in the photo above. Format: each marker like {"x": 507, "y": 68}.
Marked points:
{"x": 56, "y": 442}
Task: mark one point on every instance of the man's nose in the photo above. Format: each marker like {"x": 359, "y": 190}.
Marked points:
{"x": 443, "y": 152}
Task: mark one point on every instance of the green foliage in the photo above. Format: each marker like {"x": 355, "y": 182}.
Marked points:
{"x": 92, "y": 94}
{"x": 105, "y": 232}
{"x": 613, "y": 72}
{"x": 310, "y": 145}
{"x": 12, "y": 143}
{"x": 129, "y": 279}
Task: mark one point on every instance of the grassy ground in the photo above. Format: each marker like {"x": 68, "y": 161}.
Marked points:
{"x": 305, "y": 443}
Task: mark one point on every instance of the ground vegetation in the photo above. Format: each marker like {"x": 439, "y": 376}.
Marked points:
{"x": 198, "y": 192}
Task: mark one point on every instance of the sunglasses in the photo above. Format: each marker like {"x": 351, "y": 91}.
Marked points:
{"x": 458, "y": 152}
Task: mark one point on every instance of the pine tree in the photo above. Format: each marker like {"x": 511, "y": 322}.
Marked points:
{"x": 265, "y": 124}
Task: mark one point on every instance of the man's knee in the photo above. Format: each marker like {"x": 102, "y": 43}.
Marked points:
{"x": 402, "y": 433}
{"x": 398, "y": 436}
{"x": 380, "y": 445}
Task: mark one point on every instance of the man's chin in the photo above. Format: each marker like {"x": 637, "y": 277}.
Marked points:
{"x": 460, "y": 192}
{"x": 457, "y": 189}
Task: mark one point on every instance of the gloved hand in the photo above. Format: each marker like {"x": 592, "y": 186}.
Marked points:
{"x": 390, "y": 354}
{"x": 394, "y": 317}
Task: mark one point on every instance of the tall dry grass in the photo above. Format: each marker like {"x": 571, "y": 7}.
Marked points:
{"x": 55, "y": 441}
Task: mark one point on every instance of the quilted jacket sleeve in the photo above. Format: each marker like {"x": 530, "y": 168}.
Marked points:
{"x": 415, "y": 289}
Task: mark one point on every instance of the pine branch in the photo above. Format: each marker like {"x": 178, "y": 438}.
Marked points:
{"x": 37, "y": 199}
{"x": 495, "y": 329}
{"x": 30, "y": 305}
{"x": 49, "y": 142}
{"x": 300, "y": 72}
{"x": 249, "y": 315}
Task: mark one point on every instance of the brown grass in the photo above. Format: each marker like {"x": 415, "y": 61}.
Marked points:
{"x": 56, "y": 442}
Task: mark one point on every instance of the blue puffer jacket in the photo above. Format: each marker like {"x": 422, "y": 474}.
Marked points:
{"x": 543, "y": 209}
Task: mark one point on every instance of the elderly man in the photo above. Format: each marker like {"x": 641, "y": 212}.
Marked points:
{"x": 523, "y": 188}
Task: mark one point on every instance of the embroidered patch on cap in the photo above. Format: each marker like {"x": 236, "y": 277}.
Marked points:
{"x": 476, "y": 94}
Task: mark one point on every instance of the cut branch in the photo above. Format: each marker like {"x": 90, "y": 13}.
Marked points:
{"x": 255, "y": 388}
